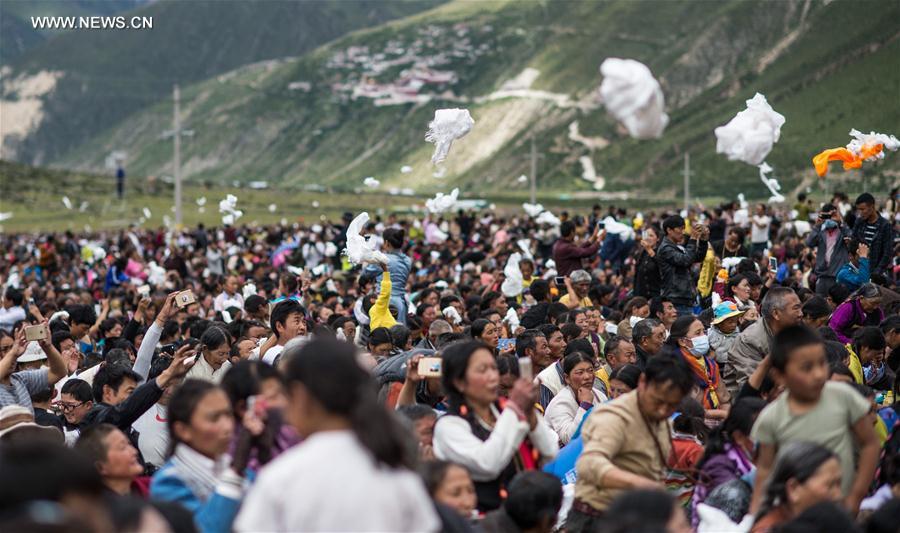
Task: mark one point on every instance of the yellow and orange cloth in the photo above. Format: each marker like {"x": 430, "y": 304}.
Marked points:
{"x": 863, "y": 147}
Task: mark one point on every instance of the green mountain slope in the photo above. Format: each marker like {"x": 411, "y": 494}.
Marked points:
{"x": 101, "y": 77}
{"x": 826, "y": 67}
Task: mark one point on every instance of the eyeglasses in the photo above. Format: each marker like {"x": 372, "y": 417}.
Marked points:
{"x": 66, "y": 407}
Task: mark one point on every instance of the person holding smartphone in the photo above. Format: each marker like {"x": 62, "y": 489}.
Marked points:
{"x": 829, "y": 237}
{"x": 493, "y": 438}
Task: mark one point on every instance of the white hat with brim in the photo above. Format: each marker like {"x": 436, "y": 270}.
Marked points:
{"x": 18, "y": 417}
{"x": 33, "y": 352}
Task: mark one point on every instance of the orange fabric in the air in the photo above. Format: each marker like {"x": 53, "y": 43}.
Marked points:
{"x": 851, "y": 160}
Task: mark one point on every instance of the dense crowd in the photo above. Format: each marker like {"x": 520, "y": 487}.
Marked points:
{"x": 722, "y": 369}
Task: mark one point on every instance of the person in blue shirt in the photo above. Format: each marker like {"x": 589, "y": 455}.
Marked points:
{"x": 856, "y": 272}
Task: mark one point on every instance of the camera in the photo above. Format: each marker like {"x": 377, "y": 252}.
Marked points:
{"x": 430, "y": 367}
{"x": 36, "y": 333}
{"x": 184, "y": 298}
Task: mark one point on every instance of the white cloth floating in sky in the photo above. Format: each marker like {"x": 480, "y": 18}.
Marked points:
{"x": 442, "y": 202}
{"x": 361, "y": 249}
{"x": 771, "y": 183}
{"x": 522, "y": 179}
{"x": 228, "y": 208}
{"x": 447, "y": 126}
{"x": 201, "y": 201}
{"x": 405, "y": 169}
{"x": 440, "y": 172}
{"x": 533, "y": 210}
{"x": 614, "y": 227}
{"x": 5, "y": 216}
{"x": 273, "y": 208}
{"x": 371, "y": 182}
{"x": 514, "y": 282}
{"x": 633, "y": 97}
{"x": 66, "y": 202}
{"x": 548, "y": 218}
{"x": 750, "y": 135}
{"x": 147, "y": 213}
{"x": 868, "y": 140}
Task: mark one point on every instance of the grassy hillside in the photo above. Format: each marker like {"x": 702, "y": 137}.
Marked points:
{"x": 827, "y": 68}
{"x": 107, "y": 76}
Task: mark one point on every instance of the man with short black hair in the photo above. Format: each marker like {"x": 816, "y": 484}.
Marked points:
{"x": 533, "y": 503}
{"x": 627, "y": 441}
{"x": 288, "y": 320}
{"x": 872, "y": 229}
{"x": 569, "y": 256}
{"x": 675, "y": 262}
{"x": 532, "y": 343}
{"x": 11, "y": 310}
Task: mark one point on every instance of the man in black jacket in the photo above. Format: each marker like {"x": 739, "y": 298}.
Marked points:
{"x": 872, "y": 229}
{"x": 675, "y": 262}
{"x": 119, "y": 400}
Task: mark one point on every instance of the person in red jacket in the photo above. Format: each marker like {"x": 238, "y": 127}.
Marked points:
{"x": 567, "y": 255}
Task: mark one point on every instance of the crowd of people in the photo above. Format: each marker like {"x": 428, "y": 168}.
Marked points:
{"x": 722, "y": 369}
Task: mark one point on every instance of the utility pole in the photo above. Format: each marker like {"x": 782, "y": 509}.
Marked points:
{"x": 176, "y": 132}
{"x": 533, "y": 171}
{"x": 687, "y": 181}
{"x": 176, "y": 163}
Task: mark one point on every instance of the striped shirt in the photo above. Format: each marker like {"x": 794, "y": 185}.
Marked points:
{"x": 22, "y": 385}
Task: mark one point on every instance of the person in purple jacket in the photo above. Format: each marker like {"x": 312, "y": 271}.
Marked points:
{"x": 862, "y": 308}
{"x": 729, "y": 451}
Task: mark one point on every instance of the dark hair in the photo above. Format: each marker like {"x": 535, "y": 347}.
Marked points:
{"x": 112, "y": 375}
{"x": 679, "y": 330}
{"x": 573, "y": 359}
{"x": 534, "y": 498}
{"x": 433, "y": 473}
{"x": 416, "y": 411}
{"x": 14, "y": 295}
{"x": 527, "y": 339}
{"x": 548, "y": 330}
{"x": 182, "y": 405}
{"x": 214, "y": 337}
{"x": 90, "y": 442}
{"x": 566, "y": 228}
{"x": 885, "y": 519}
{"x": 797, "y": 460}
{"x": 170, "y": 329}
{"x": 539, "y": 289}
{"x": 690, "y": 418}
{"x": 865, "y": 198}
{"x": 579, "y": 345}
{"x": 868, "y": 337}
{"x": 107, "y": 325}
{"x": 571, "y": 332}
{"x": 890, "y": 324}
{"x": 627, "y": 374}
{"x": 643, "y": 329}
{"x": 59, "y": 336}
{"x": 158, "y": 365}
{"x": 634, "y": 509}
{"x": 43, "y": 395}
{"x": 42, "y": 470}
{"x": 79, "y": 389}
{"x": 254, "y": 302}
{"x": 790, "y": 339}
{"x": 672, "y": 222}
{"x": 455, "y": 363}
{"x": 81, "y": 314}
{"x": 380, "y": 336}
{"x": 328, "y": 370}
{"x": 740, "y": 418}
{"x": 838, "y": 293}
{"x": 816, "y": 307}
{"x": 477, "y": 327}
{"x": 823, "y": 517}
{"x": 394, "y": 237}
{"x": 245, "y": 379}
{"x": 555, "y": 310}
{"x": 664, "y": 368}
{"x": 399, "y": 335}
{"x": 282, "y": 311}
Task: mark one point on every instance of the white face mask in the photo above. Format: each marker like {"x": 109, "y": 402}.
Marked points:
{"x": 700, "y": 345}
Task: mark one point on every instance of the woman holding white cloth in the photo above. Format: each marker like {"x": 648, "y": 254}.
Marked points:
{"x": 494, "y": 438}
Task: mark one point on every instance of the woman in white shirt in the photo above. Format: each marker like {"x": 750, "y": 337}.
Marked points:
{"x": 573, "y": 401}
{"x": 484, "y": 433}
{"x": 213, "y": 354}
{"x": 353, "y": 470}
